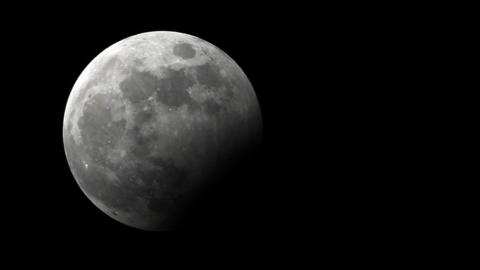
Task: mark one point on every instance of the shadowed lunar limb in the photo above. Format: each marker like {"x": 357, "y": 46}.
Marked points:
{"x": 150, "y": 123}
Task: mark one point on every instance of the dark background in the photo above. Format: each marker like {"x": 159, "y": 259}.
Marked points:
{"x": 316, "y": 71}
{"x": 278, "y": 52}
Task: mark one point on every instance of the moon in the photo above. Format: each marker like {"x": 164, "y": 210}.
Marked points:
{"x": 154, "y": 119}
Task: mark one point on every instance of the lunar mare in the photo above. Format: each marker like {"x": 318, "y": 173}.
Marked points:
{"x": 151, "y": 120}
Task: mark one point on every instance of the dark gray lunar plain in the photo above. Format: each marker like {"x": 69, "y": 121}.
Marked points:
{"x": 151, "y": 120}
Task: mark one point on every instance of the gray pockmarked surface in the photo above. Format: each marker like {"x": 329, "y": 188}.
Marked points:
{"x": 150, "y": 119}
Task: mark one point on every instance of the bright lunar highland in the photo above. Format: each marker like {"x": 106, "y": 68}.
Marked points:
{"x": 152, "y": 120}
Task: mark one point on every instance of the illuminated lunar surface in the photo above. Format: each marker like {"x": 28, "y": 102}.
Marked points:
{"x": 151, "y": 120}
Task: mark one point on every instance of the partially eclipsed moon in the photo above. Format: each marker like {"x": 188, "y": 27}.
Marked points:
{"x": 151, "y": 120}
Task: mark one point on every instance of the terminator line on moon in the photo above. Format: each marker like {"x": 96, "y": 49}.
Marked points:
{"x": 151, "y": 120}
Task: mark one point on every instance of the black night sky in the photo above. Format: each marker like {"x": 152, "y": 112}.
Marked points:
{"x": 262, "y": 194}
{"x": 308, "y": 68}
